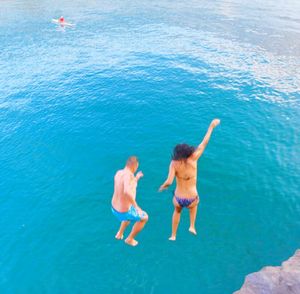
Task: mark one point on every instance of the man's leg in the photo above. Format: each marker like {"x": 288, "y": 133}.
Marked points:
{"x": 175, "y": 219}
{"x": 138, "y": 226}
{"x": 120, "y": 233}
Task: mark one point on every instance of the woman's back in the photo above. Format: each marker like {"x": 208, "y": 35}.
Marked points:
{"x": 186, "y": 177}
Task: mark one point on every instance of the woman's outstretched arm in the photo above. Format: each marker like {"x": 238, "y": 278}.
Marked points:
{"x": 200, "y": 149}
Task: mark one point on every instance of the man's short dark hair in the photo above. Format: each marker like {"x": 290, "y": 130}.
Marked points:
{"x": 132, "y": 160}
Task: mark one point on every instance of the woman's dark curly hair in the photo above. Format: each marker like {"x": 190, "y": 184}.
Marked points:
{"x": 182, "y": 152}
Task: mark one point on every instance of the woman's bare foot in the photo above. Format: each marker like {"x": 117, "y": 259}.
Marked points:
{"x": 131, "y": 242}
{"x": 193, "y": 231}
{"x": 119, "y": 236}
{"x": 172, "y": 238}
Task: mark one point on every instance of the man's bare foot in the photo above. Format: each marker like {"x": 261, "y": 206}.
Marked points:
{"x": 131, "y": 242}
{"x": 119, "y": 236}
{"x": 193, "y": 231}
{"x": 172, "y": 238}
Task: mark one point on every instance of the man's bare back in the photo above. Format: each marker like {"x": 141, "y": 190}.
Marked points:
{"x": 120, "y": 201}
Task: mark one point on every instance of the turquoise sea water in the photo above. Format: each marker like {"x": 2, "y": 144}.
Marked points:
{"x": 137, "y": 77}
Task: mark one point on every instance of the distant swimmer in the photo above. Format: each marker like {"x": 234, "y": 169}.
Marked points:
{"x": 184, "y": 167}
{"x": 124, "y": 205}
{"x": 61, "y": 21}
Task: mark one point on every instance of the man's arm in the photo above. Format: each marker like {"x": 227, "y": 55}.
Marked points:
{"x": 128, "y": 189}
{"x": 200, "y": 149}
{"x": 139, "y": 175}
{"x": 170, "y": 178}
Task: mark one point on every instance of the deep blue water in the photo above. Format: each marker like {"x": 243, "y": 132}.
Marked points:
{"x": 138, "y": 77}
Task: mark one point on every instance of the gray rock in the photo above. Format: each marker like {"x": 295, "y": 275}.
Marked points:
{"x": 284, "y": 279}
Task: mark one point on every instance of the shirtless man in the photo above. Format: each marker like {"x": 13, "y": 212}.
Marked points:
{"x": 124, "y": 205}
{"x": 184, "y": 167}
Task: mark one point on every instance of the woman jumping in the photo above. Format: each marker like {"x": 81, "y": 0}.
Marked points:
{"x": 184, "y": 167}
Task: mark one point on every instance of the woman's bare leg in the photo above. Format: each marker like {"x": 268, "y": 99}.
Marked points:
{"x": 122, "y": 228}
{"x": 193, "y": 213}
{"x": 175, "y": 219}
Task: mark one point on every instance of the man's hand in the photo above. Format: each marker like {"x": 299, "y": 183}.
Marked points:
{"x": 215, "y": 122}
{"x": 139, "y": 210}
{"x": 139, "y": 175}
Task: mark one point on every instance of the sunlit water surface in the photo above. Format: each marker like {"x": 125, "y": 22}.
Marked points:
{"x": 137, "y": 77}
